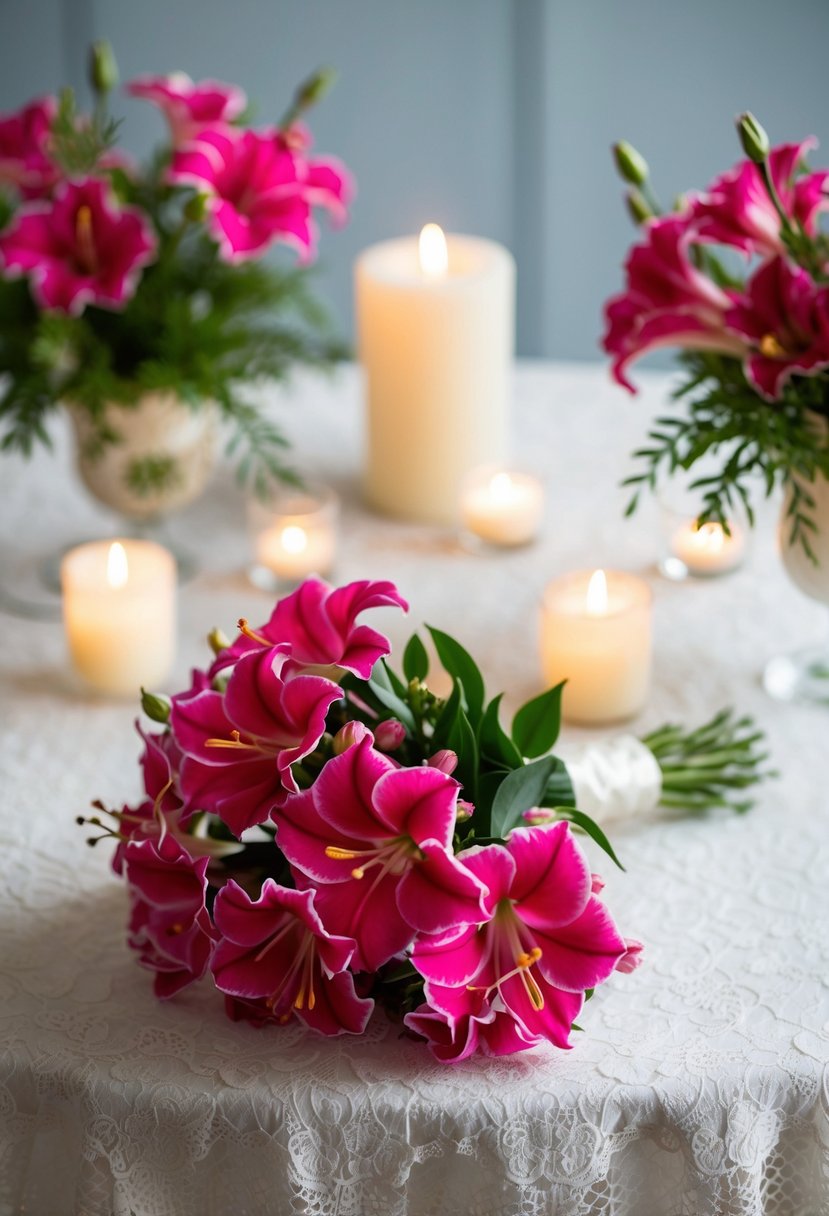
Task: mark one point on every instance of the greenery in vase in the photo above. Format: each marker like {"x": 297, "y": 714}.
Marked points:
{"x": 116, "y": 281}
{"x": 754, "y": 341}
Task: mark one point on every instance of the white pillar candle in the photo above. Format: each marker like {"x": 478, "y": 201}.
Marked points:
{"x": 293, "y": 535}
{"x": 502, "y": 506}
{"x": 596, "y": 634}
{"x": 707, "y": 549}
{"x": 119, "y": 611}
{"x": 436, "y": 335}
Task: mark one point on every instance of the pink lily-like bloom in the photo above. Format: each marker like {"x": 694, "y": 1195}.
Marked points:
{"x": 258, "y": 190}
{"x": 784, "y": 317}
{"x": 736, "y": 209}
{"x": 239, "y": 745}
{"x": 667, "y": 302}
{"x": 81, "y": 248}
{"x": 169, "y": 924}
{"x": 545, "y": 939}
{"x": 276, "y": 958}
{"x": 24, "y": 148}
{"x": 318, "y": 622}
{"x": 187, "y": 106}
{"x": 377, "y": 838}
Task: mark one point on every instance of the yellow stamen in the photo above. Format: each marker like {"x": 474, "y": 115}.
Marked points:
{"x": 235, "y": 740}
{"x": 337, "y": 854}
{"x": 245, "y": 628}
{"x": 358, "y": 872}
{"x": 771, "y": 347}
{"x": 85, "y": 239}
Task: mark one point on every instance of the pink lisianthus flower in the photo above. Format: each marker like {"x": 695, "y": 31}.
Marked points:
{"x": 377, "y": 839}
{"x": 667, "y": 302}
{"x": 187, "y": 106}
{"x": 318, "y": 622}
{"x": 276, "y": 960}
{"x": 81, "y": 248}
{"x": 238, "y": 746}
{"x": 545, "y": 939}
{"x": 784, "y": 318}
{"x": 736, "y": 209}
{"x": 169, "y": 924}
{"x": 24, "y": 149}
{"x": 258, "y": 190}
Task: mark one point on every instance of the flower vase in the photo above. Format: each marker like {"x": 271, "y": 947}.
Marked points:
{"x": 161, "y": 461}
{"x": 804, "y": 674}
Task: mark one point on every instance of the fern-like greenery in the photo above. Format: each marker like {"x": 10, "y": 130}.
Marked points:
{"x": 725, "y": 416}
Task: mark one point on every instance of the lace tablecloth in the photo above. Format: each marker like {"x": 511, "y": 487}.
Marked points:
{"x": 700, "y": 1085}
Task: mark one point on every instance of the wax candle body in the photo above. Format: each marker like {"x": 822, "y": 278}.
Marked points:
{"x": 604, "y": 654}
{"x": 502, "y": 507}
{"x": 120, "y": 627}
{"x": 437, "y": 352}
{"x": 707, "y": 550}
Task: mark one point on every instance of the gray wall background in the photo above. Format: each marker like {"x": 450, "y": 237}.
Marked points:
{"x": 492, "y": 117}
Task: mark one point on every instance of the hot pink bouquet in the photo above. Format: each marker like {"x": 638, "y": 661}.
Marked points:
{"x": 118, "y": 280}
{"x": 322, "y": 835}
{"x": 737, "y": 278}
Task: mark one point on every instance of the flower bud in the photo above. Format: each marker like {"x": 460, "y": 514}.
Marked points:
{"x": 195, "y": 209}
{"x": 465, "y": 810}
{"x": 314, "y": 88}
{"x": 155, "y": 706}
{"x": 389, "y": 735}
{"x": 597, "y": 884}
{"x": 631, "y": 165}
{"x": 218, "y": 641}
{"x": 445, "y": 760}
{"x": 537, "y": 816}
{"x": 638, "y": 209}
{"x": 348, "y": 736}
{"x": 632, "y": 958}
{"x": 103, "y": 68}
{"x": 753, "y": 137}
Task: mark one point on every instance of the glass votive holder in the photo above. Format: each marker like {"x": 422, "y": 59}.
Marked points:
{"x": 501, "y": 507}
{"x": 293, "y": 534}
{"x": 692, "y": 550}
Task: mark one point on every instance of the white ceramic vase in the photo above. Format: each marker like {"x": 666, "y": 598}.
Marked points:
{"x": 804, "y": 675}
{"x": 159, "y": 434}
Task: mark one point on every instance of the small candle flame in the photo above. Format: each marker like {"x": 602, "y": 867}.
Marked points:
{"x": 117, "y": 565}
{"x": 597, "y": 594}
{"x": 500, "y": 486}
{"x": 709, "y": 538}
{"x": 294, "y": 539}
{"x": 434, "y": 256}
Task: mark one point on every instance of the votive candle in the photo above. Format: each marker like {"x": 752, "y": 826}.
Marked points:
{"x": 119, "y": 611}
{"x": 294, "y": 535}
{"x": 596, "y": 635}
{"x": 502, "y": 507}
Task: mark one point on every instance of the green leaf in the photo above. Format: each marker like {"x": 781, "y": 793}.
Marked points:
{"x": 461, "y": 666}
{"x": 381, "y": 685}
{"x": 494, "y": 741}
{"x": 559, "y": 791}
{"x": 447, "y": 718}
{"x": 415, "y": 659}
{"x": 461, "y": 740}
{"x": 536, "y": 725}
{"x": 521, "y": 789}
{"x": 592, "y": 829}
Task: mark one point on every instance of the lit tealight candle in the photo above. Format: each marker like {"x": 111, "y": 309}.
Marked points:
{"x": 706, "y": 549}
{"x": 294, "y": 535}
{"x": 501, "y": 506}
{"x": 596, "y": 635}
{"x": 119, "y": 611}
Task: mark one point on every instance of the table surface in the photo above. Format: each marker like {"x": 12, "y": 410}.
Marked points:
{"x": 700, "y": 1085}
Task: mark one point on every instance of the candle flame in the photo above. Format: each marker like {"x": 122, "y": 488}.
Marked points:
{"x": 597, "y": 594}
{"x": 434, "y": 256}
{"x": 117, "y": 565}
{"x": 710, "y": 537}
{"x": 500, "y": 486}
{"x": 294, "y": 539}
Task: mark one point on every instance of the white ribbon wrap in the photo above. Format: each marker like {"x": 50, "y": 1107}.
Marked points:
{"x": 615, "y": 778}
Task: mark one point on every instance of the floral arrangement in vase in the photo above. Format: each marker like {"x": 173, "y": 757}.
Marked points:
{"x": 737, "y": 278}
{"x": 322, "y": 835}
{"x": 127, "y": 289}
